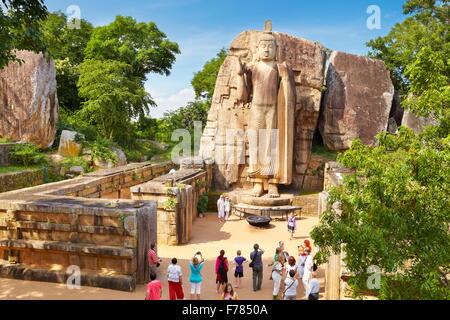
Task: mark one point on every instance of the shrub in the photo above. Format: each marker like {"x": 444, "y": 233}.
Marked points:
{"x": 170, "y": 204}
{"x": 27, "y": 154}
{"x": 101, "y": 149}
{"x": 77, "y": 161}
{"x": 202, "y": 204}
{"x": 5, "y": 140}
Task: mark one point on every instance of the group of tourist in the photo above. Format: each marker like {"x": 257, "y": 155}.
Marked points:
{"x": 292, "y": 270}
{"x": 284, "y": 266}
{"x": 223, "y": 208}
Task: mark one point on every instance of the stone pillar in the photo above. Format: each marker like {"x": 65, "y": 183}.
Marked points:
{"x": 333, "y": 278}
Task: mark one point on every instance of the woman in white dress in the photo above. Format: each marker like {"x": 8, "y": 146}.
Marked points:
{"x": 277, "y": 275}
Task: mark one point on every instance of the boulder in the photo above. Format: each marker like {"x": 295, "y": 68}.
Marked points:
{"x": 67, "y": 145}
{"x": 417, "y": 124}
{"x": 28, "y": 99}
{"x": 120, "y": 161}
{"x": 77, "y": 170}
{"x": 357, "y": 102}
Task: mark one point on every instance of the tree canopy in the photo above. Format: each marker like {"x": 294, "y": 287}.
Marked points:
{"x": 428, "y": 27}
{"x": 204, "y": 81}
{"x": 20, "y": 28}
{"x": 141, "y": 45}
{"x": 66, "y": 46}
{"x": 393, "y": 211}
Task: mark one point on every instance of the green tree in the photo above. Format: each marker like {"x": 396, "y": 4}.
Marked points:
{"x": 66, "y": 46}
{"x": 394, "y": 209}
{"x": 118, "y": 58}
{"x": 113, "y": 97}
{"x": 65, "y": 42}
{"x": 427, "y": 27}
{"x": 141, "y": 45}
{"x": 204, "y": 81}
{"x": 19, "y": 21}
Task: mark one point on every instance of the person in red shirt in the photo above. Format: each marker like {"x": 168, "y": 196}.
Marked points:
{"x": 221, "y": 271}
{"x": 154, "y": 288}
{"x": 307, "y": 245}
{"x": 153, "y": 259}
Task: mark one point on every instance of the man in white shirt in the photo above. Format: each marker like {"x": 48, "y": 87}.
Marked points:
{"x": 221, "y": 208}
{"x": 227, "y": 207}
{"x": 291, "y": 284}
{"x": 174, "y": 277}
{"x": 307, "y": 273}
{"x": 312, "y": 292}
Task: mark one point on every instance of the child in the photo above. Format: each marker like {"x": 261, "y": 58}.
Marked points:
{"x": 228, "y": 293}
{"x": 239, "y": 271}
{"x": 292, "y": 225}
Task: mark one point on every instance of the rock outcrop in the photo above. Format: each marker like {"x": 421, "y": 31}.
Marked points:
{"x": 357, "y": 102}
{"x": 28, "y": 100}
{"x": 417, "y": 124}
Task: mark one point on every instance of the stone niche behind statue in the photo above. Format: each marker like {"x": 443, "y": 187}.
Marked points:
{"x": 269, "y": 81}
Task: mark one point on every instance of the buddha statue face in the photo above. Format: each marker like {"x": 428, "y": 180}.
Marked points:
{"x": 267, "y": 50}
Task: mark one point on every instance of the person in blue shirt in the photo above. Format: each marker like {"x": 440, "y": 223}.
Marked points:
{"x": 196, "y": 266}
{"x": 239, "y": 272}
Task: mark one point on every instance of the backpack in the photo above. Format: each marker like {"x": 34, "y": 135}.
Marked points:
{"x": 222, "y": 266}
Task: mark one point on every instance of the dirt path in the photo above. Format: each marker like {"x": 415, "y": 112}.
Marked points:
{"x": 209, "y": 236}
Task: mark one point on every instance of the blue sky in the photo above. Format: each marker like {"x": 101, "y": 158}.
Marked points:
{"x": 203, "y": 27}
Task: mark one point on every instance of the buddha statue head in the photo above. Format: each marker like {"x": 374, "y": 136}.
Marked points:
{"x": 267, "y": 44}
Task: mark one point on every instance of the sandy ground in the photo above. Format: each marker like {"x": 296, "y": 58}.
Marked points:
{"x": 209, "y": 236}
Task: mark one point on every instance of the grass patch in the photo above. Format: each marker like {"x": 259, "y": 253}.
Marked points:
{"x": 322, "y": 151}
{"x": 307, "y": 193}
{"x": 8, "y": 169}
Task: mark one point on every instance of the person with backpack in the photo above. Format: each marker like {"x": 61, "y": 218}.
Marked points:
{"x": 221, "y": 271}
{"x": 257, "y": 267}
{"x": 291, "y": 284}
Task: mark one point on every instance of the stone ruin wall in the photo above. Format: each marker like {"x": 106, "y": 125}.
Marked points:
{"x": 47, "y": 228}
{"x": 185, "y": 188}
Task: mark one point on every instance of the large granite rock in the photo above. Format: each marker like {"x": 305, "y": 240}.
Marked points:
{"x": 417, "y": 124}
{"x": 357, "y": 102}
{"x": 28, "y": 100}
{"x": 307, "y": 59}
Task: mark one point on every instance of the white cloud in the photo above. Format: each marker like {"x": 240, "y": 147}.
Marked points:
{"x": 169, "y": 102}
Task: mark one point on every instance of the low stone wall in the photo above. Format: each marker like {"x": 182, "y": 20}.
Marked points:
{"x": 309, "y": 204}
{"x": 5, "y": 149}
{"x": 46, "y": 229}
{"x": 177, "y": 196}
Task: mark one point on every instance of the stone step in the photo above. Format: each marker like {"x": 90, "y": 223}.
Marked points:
{"x": 84, "y": 248}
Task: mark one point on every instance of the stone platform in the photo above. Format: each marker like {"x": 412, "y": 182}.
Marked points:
{"x": 245, "y": 204}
